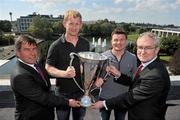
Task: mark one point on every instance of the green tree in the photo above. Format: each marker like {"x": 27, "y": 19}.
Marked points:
{"x": 43, "y": 50}
{"x": 96, "y": 29}
{"x": 7, "y": 39}
{"x": 100, "y": 28}
{"x": 106, "y": 28}
{"x": 85, "y": 29}
{"x": 169, "y": 44}
{"x": 126, "y": 27}
{"x": 41, "y": 27}
{"x": 58, "y": 27}
{"x": 5, "y": 25}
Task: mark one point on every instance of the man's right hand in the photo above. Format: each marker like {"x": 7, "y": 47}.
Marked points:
{"x": 99, "y": 81}
{"x": 70, "y": 72}
{"x": 113, "y": 71}
{"x": 74, "y": 103}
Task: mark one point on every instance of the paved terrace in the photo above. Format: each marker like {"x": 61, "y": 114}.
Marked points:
{"x": 7, "y": 52}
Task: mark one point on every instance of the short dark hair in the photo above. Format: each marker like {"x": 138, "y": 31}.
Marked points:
{"x": 24, "y": 39}
{"x": 119, "y": 31}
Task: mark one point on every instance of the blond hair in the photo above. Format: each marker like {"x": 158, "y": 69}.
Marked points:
{"x": 72, "y": 13}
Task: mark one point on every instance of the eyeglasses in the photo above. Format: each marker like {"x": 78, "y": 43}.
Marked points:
{"x": 146, "y": 48}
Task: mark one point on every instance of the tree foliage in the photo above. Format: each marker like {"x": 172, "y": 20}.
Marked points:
{"x": 5, "y": 25}
{"x": 100, "y": 28}
{"x": 43, "y": 50}
{"x": 6, "y": 39}
{"x": 41, "y": 27}
{"x": 58, "y": 27}
{"x": 170, "y": 44}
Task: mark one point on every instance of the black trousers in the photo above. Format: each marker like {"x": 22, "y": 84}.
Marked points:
{"x": 63, "y": 113}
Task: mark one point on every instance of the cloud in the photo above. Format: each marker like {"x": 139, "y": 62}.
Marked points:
{"x": 31, "y": 0}
{"x": 118, "y": 1}
{"x": 100, "y": 8}
{"x": 118, "y": 9}
{"x": 52, "y": 1}
{"x": 99, "y": 11}
{"x": 178, "y": 2}
{"x": 45, "y": 5}
{"x": 155, "y": 5}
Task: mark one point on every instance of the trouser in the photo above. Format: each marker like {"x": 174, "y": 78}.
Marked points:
{"x": 63, "y": 113}
{"x": 118, "y": 114}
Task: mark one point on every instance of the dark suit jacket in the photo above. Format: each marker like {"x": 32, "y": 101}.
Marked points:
{"x": 34, "y": 100}
{"x": 146, "y": 98}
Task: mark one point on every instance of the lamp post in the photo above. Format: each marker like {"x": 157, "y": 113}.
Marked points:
{"x": 10, "y": 13}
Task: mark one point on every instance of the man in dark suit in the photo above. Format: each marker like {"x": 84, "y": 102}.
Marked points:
{"x": 31, "y": 85}
{"x": 146, "y": 99}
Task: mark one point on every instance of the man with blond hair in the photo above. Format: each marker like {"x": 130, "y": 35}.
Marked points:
{"x": 57, "y": 64}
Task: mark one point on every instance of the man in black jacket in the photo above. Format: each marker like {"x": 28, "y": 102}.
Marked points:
{"x": 58, "y": 60}
{"x": 146, "y": 99}
{"x": 31, "y": 85}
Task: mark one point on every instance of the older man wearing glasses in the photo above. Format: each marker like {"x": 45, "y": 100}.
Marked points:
{"x": 146, "y": 99}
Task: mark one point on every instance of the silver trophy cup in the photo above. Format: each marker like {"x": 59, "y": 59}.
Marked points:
{"x": 91, "y": 67}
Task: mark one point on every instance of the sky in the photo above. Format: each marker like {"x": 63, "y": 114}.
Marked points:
{"x": 161, "y": 12}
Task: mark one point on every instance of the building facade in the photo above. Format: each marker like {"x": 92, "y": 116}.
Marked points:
{"x": 24, "y": 22}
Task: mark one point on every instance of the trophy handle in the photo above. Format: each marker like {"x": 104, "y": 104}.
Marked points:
{"x": 72, "y": 57}
{"x": 109, "y": 61}
{"x": 72, "y": 54}
{"x": 105, "y": 77}
{"x": 107, "y": 73}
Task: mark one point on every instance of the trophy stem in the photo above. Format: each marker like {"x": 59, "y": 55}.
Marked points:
{"x": 86, "y": 100}
{"x": 86, "y": 92}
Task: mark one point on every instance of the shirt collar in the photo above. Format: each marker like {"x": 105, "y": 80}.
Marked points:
{"x": 31, "y": 65}
{"x": 147, "y": 63}
{"x": 63, "y": 38}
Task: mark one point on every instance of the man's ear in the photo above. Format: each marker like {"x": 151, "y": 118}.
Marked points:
{"x": 64, "y": 24}
{"x": 157, "y": 50}
{"x": 18, "y": 53}
{"x": 81, "y": 25}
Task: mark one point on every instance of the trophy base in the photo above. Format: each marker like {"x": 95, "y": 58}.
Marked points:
{"x": 86, "y": 101}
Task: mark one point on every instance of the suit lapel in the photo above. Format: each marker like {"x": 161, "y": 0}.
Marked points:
{"x": 36, "y": 75}
{"x": 145, "y": 70}
{"x": 45, "y": 75}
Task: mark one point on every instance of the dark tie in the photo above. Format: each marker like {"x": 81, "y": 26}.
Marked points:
{"x": 138, "y": 71}
{"x": 40, "y": 72}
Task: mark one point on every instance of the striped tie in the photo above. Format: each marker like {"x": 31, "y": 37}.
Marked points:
{"x": 138, "y": 71}
{"x": 40, "y": 72}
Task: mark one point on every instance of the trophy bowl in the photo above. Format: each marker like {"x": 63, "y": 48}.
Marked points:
{"x": 92, "y": 64}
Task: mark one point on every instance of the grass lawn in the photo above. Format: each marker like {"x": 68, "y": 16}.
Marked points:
{"x": 165, "y": 59}
{"x": 133, "y": 37}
